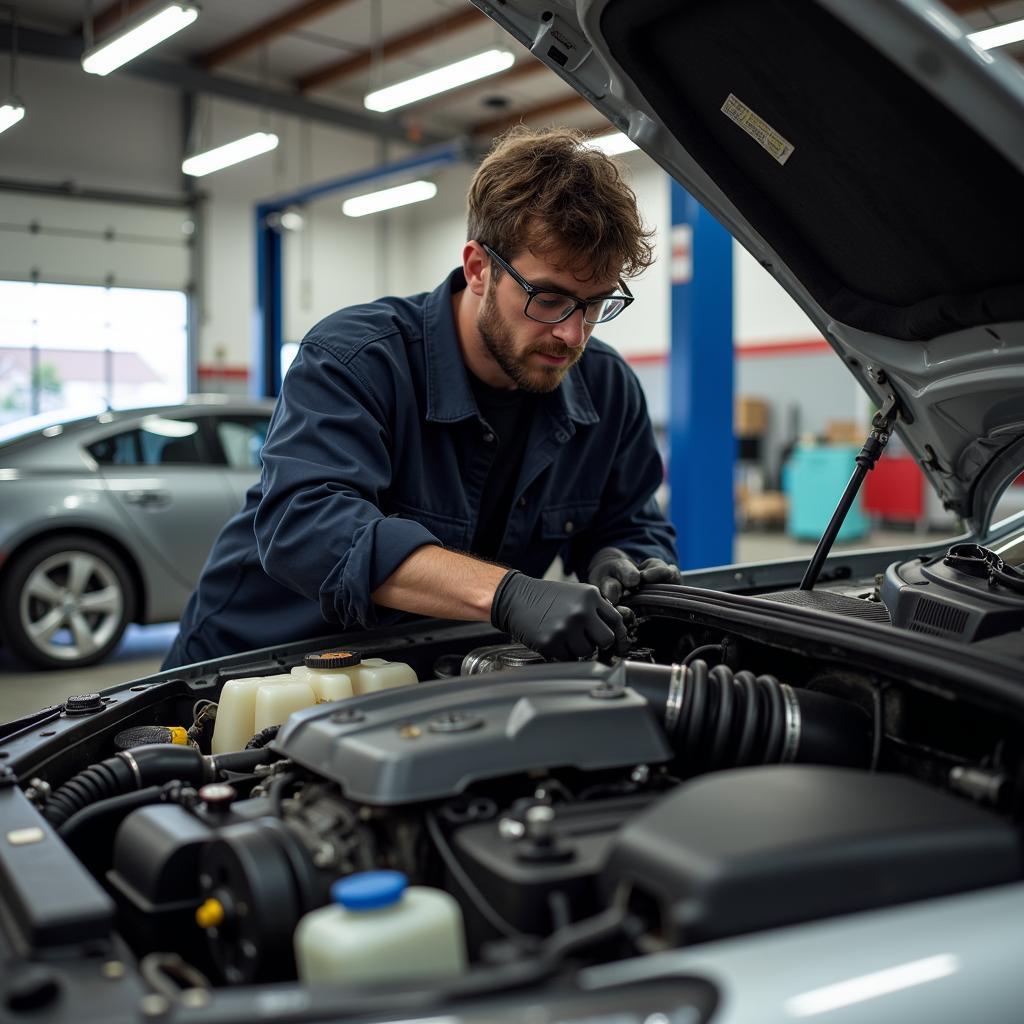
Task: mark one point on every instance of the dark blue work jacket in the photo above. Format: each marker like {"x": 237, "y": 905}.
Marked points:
{"x": 377, "y": 447}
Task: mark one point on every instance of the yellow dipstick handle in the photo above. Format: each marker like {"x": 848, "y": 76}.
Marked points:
{"x": 210, "y": 914}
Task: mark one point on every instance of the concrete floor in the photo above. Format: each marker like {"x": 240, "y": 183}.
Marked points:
{"x": 143, "y": 647}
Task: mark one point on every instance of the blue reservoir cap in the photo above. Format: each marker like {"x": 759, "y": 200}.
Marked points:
{"x": 369, "y": 890}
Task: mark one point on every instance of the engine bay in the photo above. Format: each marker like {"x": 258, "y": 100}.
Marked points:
{"x": 749, "y": 765}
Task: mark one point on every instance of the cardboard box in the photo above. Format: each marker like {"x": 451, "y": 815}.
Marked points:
{"x": 845, "y": 432}
{"x": 750, "y": 416}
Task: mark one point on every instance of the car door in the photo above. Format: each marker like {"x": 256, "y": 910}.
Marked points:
{"x": 167, "y": 484}
{"x": 237, "y": 439}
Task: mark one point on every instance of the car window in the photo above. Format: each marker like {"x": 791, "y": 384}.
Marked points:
{"x": 159, "y": 442}
{"x": 242, "y": 438}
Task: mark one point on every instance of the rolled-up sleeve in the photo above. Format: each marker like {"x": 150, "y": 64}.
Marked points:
{"x": 319, "y": 527}
{"x": 628, "y": 517}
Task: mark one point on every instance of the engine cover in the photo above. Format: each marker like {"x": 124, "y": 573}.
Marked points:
{"x": 433, "y": 740}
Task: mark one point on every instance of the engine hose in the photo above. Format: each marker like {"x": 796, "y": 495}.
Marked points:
{"x": 717, "y": 718}
{"x": 143, "y": 766}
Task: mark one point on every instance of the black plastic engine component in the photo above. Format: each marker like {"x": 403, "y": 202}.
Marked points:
{"x": 155, "y": 876}
{"x": 716, "y": 718}
{"x": 510, "y": 869}
{"x": 260, "y": 880}
{"x": 749, "y": 849}
{"x": 941, "y": 600}
{"x": 143, "y": 766}
{"x": 46, "y": 895}
{"x": 431, "y": 742}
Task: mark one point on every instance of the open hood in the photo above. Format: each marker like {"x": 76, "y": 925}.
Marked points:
{"x": 870, "y": 157}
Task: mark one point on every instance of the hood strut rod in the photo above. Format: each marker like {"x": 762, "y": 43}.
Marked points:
{"x": 881, "y": 429}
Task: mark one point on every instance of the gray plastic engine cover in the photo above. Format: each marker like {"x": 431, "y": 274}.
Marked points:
{"x": 431, "y": 741}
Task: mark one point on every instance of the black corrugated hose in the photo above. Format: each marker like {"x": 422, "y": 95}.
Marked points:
{"x": 140, "y": 767}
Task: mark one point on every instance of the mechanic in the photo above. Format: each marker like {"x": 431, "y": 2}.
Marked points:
{"x": 433, "y": 454}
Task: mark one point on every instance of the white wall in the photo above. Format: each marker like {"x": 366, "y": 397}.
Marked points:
{"x": 125, "y": 133}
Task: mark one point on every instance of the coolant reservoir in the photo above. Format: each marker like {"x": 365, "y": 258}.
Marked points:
{"x": 236, "y": 712}
{"x": 325, "y": 670}
{"x": 327, "y": 673}
{"x": 277, "y": 700}
{"x": 373, "y": 674}
{"x": 380, "y": 930}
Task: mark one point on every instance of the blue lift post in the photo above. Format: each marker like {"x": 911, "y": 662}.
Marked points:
{"x": 702, "y": 448}
{"x": 269, "y": 315}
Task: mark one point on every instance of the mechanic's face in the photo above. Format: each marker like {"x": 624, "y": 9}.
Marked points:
{"x": 535, "y": 356}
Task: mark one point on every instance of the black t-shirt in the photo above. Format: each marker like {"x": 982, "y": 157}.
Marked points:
{"x": 508, "y": 414}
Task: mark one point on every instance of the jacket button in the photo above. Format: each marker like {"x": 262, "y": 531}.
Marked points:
{"x": 561, "y": 437}
{"x": 521, "y": 503}
{"x": 569, "y": 526}
{"x": 488, "y": 438}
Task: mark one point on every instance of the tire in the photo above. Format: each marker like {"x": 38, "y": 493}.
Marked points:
{"x": 65, "y": 602}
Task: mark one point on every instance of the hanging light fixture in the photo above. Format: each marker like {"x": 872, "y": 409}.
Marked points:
{"x": 140, "y": 34}
{"x": 998, "y": 35}
{"x": 612, "y": 144}
{"x": 230, "y": 153}
{"x": 451, "y": 76}
{"x": 389, "y": 198}
{"x": 12, "y": 110}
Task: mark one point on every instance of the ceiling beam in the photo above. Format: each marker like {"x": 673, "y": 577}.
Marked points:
{"x": 497, "y": 124}
{"x": 392, "y": 47}
{"x": 964, "y": 6}
{"x": 188, "y": 78}
{"x": 267, "y": 31}
{"x": 112, "y": 16}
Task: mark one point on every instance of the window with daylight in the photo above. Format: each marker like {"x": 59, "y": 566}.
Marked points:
{"x": 70, "y": 350}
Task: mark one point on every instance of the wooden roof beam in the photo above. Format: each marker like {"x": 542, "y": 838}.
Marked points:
{"x": 112, "y": 16}
{"x": 394, "y": 46}
{"x": 267, "y": 31}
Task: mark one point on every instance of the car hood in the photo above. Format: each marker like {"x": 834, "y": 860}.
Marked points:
{"x": 870, "y": 157}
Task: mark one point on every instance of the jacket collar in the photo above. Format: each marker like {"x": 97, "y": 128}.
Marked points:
{"x": 449, "y": 395}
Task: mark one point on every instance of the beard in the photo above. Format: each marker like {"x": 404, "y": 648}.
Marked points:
{"x": 499, "y": 340}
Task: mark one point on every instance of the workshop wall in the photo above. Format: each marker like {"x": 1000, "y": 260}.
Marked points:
{"x": 334, "y": 260}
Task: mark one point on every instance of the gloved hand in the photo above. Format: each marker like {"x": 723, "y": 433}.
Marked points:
{"x": 562, "y": 621}
{"x": 613, "y": 573}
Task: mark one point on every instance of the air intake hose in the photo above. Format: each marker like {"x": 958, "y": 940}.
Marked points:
{"x": 141, "y": 767}
{"x": 717, "y": 718}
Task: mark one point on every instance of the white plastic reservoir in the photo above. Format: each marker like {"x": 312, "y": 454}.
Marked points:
{"x": 380, "y": 930}
{"x": 328, "y": 671}
{"x": 247, "y": 706}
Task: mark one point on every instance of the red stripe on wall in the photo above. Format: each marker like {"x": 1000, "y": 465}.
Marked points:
{"x": 780, "y": 348}
{"x": 229, "y": 372}
{"x": 772, "y": 348}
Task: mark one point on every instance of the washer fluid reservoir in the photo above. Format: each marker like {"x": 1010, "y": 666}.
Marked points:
{"x": 379, "y": 930}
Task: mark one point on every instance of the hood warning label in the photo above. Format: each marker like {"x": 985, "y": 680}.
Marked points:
{"x": 757, "y": 128}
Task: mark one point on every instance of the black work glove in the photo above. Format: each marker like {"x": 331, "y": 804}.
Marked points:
{"x": 613, "y": 573}
{"x": 562, "y": 621}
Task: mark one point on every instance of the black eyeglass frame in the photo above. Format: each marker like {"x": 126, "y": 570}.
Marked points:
{"x": 626, "y": 298}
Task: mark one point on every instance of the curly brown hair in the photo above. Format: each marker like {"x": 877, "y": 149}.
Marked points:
{"x": 548, "y": 192}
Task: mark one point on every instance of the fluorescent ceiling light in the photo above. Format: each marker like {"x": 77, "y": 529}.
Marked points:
{"x": 614, "y": 144}
{"x": 10, "y": 114}
{"x": 389, "y": 198}
{"x": 138, "y": 38}
{"x": 450, "y": 77}
{"x": 230, "y": 153}
{"x": 998, "y": 35}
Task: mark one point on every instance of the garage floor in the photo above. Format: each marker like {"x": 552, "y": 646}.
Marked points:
{"x": 143, "y": 647}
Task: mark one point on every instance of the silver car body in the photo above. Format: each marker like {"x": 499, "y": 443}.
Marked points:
{"x": 161, "y": 518}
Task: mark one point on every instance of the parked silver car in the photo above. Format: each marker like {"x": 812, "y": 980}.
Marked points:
{"x": 108, "y": 520}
